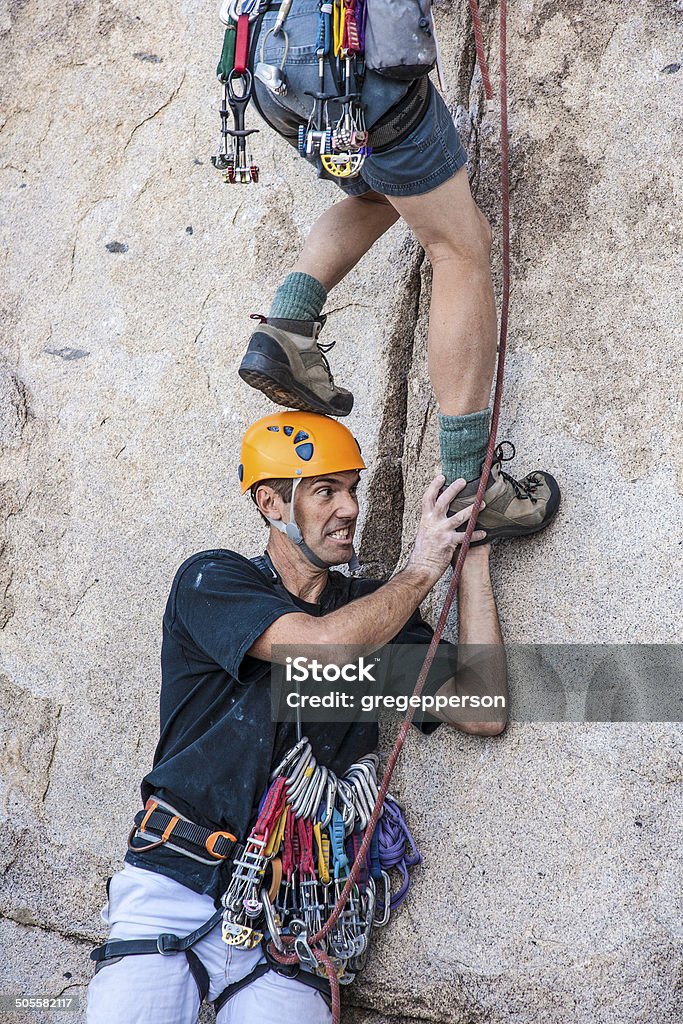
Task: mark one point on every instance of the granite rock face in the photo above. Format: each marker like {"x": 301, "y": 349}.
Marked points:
{"x": 551, "y": 883}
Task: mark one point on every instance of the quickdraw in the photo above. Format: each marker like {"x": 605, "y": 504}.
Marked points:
{"x": 309, "y": 829}
{"x": 340, "y": 147}
{"x": 242, "y": 900}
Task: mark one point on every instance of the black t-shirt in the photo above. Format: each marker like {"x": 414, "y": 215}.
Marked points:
{"x": 218, "y": 744}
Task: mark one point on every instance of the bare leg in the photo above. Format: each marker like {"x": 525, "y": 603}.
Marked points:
{"x": 462, "y": 319}
{"x": 342, "y": 235}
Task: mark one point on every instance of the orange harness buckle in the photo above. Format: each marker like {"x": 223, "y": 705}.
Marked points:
{"x": 150, "y": 807}
{"x": 213, "y": 839}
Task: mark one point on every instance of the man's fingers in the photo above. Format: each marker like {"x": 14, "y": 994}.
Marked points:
{"x": 477, "y": 535}
{"x": 447, "y": 495}
{"x": 460, "y": 517}
{"x": 432, "y": 492}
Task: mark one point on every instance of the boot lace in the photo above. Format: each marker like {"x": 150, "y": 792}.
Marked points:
{"x": 524, "y": 489}
{"x": 323, "y": 349}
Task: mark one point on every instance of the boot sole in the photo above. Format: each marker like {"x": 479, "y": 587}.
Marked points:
{"x": 510, "y": 532}
{"x": 276, "y": 382}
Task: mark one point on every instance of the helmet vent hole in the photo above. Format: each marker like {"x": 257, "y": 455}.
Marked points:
{"x": 301, "y": 436}
{"x": 288, "y": 431}
{"x": 305, "y": 452}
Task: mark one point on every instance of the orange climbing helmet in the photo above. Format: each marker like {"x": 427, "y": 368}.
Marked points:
{"x": 294, "y": 445}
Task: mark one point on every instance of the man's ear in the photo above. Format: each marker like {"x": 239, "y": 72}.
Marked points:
{"x": 269, "y": 503}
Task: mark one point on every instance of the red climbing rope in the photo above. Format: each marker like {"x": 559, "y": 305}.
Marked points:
{"x": 359, "y": 862}
{"x": 479, "y": 43}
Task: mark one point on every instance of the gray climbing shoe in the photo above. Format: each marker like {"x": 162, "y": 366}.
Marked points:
{"x": 285, "y": 361}
{"x": 514, "y": 508}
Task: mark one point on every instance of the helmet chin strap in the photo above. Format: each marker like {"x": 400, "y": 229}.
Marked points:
{"x": 291, "y": 530}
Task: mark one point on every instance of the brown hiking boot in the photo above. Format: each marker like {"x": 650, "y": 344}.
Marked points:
{"x": 514, "y": 508}
{"x": 286, "y": 362}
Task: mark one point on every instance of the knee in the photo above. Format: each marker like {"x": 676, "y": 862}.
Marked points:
{"x": 485, "y": 232}
{"x": 469, "y": 244}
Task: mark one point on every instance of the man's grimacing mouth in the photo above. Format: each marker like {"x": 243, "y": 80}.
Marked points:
{"x": 343, "y": 533}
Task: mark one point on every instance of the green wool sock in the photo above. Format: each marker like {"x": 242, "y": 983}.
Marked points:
{"x": 463, "y": 441}
{"x": 299, "y": 297}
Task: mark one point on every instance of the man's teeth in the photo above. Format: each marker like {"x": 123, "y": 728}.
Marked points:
{"x": 341, "y": 534}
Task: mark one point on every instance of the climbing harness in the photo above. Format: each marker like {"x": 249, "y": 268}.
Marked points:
{"x": 160, "y": 824}
{"x": 334, "y": 136}
{"x": 241, "y": 19}
{"x": 290, "y": 873}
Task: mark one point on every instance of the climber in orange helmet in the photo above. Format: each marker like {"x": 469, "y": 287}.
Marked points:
{"x": 225, "y": 619}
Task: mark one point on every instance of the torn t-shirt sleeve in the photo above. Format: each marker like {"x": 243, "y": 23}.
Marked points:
{"x": 223, "y": 604}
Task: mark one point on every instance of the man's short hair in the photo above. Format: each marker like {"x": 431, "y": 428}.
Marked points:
{"x": 283, "y": 487}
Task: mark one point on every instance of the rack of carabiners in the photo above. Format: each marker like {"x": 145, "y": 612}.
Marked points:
{"x": 233, "y": 71}
{"x": 340, "y": 144}
{"x": 298, "y": 856}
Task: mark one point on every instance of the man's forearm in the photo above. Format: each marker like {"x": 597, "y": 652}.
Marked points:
{"x": 374, "y": 620}
{"x": 368, "y": 623}
{"x": 482, "y": 670}
{"x": 478, "y": 621}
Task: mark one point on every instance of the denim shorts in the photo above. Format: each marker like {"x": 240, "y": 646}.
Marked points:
{"x": 428, "y": 157}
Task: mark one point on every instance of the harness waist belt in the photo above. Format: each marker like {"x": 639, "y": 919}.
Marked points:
{"x": 397, "y": 124}
{"x": 160, "y": 823}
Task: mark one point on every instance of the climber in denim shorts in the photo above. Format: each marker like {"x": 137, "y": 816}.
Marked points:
{"x": 415, "y": 170}
{"x": 423, "y": 159}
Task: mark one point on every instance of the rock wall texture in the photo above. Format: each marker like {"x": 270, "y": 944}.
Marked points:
{"x": 550, "y": 889}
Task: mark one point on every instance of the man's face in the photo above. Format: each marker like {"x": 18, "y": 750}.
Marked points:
{"x": 326, "y": 509}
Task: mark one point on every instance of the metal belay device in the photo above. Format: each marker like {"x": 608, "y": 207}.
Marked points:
{"x": 298, "y": 856}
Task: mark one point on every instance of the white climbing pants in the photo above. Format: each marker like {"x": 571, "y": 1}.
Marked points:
{"x": 155, "y": 989}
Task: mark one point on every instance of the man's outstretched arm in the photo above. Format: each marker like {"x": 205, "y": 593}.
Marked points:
{"x": 370, "y": 622}
{"x": 482, "y": 668}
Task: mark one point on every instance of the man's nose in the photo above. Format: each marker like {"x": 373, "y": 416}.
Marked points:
{"x": 347, "y": 506}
